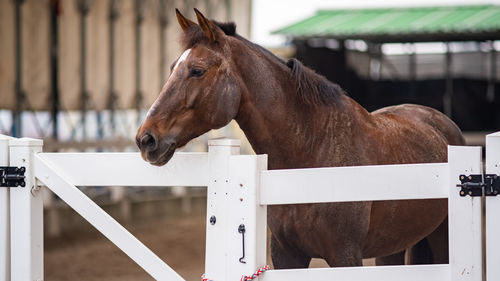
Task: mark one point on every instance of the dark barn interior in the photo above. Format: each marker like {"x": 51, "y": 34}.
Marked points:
{"x": 470, "y": 95}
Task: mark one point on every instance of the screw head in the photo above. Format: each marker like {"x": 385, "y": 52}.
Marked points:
{"x": 213, "y": 219}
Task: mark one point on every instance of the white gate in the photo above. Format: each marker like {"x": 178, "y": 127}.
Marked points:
{"x": 239, "y": 189}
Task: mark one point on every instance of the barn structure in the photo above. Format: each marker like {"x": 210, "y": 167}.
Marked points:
{"x": 82, "y": 73}
{"x": 443, "y": 57}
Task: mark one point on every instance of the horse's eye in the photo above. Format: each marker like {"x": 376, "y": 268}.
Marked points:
{"x": 196, "y": 72}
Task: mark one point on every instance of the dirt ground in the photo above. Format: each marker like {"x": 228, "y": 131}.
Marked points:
{"x": 179, "y": 241}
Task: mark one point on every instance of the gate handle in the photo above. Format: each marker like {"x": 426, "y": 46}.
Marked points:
{"x": 241, "y": 229}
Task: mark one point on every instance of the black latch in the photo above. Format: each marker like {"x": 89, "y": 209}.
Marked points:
{"x": 474, "y": 185}
{"x": 12, "y": 176}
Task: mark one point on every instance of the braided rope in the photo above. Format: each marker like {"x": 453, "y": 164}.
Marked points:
{"x": 256, "y": 274}
{"x": 244, "y": 277}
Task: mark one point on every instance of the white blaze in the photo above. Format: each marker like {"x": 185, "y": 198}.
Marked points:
{"x": 182, "y": 58}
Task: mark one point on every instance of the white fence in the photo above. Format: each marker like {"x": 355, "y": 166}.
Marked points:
{"x": 239, "y": 188}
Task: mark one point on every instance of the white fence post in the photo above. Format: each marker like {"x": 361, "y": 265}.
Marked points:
{"x": 26, "y": 215}
{"x": 4, "y": 215}
{"x": 464, "y": 216}
{"x": 492, "y": 210}
{"x": 218, "y": 193}
{"x": 245, "y": 210}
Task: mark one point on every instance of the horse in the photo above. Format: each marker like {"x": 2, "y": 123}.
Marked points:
{"x": 302, "y": 120}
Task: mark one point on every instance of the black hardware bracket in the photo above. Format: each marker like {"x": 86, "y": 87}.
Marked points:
{"x": 12, "y": 176}
{"x": 241, "y": 229}
{"x": 479, "y": 185}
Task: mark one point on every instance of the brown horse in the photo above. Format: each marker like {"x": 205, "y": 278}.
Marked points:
{"x": 301, "y": 120}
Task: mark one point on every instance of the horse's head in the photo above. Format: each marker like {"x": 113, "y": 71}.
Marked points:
{"x": 201, "y": 93}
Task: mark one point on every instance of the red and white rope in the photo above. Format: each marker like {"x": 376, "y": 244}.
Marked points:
{"x": 244, "y": 277}
{"x": 256, "y": 274}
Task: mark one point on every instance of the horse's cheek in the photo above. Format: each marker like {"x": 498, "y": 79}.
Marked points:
{"x": 223, "y": 105}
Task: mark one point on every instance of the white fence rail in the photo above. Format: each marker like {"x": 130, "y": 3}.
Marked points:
{"x": 362, "y": 183}
{"x": 239, "y": 188}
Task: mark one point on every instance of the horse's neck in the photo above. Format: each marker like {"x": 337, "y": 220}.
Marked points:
{"x": 277, "y": 123}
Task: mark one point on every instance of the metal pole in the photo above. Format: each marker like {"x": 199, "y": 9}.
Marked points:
{"x": 490, "y": 95}
{"x": 163, "y": 35}
{"x": 16, "y": 114}
{"x": 448, "y": 95}
{"x": 412, "y": 70}
{"x": 84, "y": 8}
{"x": 54, "y": 64}
{"x": 113, "y": 17}
{"x": 139, "y": 9}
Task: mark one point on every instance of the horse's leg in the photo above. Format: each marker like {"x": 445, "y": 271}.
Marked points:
{"x": 285, "y": 256}
{"x": 394, "y": 259}
{"x": 420, "y": 253}
{"x": 433, "y": 248}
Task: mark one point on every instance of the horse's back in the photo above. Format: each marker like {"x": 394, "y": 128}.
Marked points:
{"x": 423, "y": 126}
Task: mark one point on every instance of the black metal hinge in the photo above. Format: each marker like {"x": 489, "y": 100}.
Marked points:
{"x": 12, "y": 176}
{"x": 479, "y": 185}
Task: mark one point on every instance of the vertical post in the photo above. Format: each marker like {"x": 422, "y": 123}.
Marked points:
{"x": 218, "y": 216}
{"x": 4, "y": 215}
{"x": 163, "y": 36}
{"x": 492, "y": 210}
{"x": 245, "y": 209}
{"x": 492, "y": 79}
{"x": 139, "y": 18}
{"x": 113, "y": 17}
{"x": 26, "y": 210}
{"x": 84, "y": 9}
{"x": 464, "y": 216}
{"x": 55, "y": 6}
{"x": 16, "y": 114}
{"x": 412, "y": 71}
{"x": 448, "y": 94}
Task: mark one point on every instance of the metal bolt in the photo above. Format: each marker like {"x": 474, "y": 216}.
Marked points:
{"x": 241, "y": 199}
{"x": 462, "y": 193}
{"x": 462, "y": 177}
{"x": 470, "y": 192}
{"x": 212, "y": 220}
{"x": 470, "y": 177}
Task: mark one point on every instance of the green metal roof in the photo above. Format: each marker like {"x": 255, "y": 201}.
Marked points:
{"x": 480, "y": 22}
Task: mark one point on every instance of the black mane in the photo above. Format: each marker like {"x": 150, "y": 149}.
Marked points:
{"x": 312, "y": 88}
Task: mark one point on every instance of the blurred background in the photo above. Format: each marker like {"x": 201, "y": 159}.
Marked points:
{"x": 81, "y": 74}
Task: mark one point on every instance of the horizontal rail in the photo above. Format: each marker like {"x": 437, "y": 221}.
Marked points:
{"x": 103, "y": 222}
{"x": 436, "y": 272}
{"x": 360, "y": 183}
{"x": 129, "y": 169}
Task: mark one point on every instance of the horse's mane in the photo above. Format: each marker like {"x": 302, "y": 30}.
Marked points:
{"x": 312, "y": 88}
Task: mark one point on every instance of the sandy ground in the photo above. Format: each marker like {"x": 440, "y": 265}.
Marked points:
{"x": 179, "y": 241}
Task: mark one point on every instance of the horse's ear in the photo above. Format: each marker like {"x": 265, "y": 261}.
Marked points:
{"x": 212, "y": 31}
{"x": 184, "y": 22}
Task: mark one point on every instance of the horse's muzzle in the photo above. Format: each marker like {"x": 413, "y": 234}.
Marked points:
{"x": 155, "y": 150}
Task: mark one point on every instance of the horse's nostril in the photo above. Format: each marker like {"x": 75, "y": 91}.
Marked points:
{"x": 148, "y": 141}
